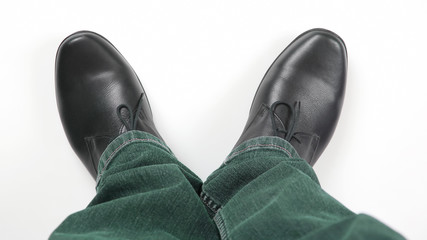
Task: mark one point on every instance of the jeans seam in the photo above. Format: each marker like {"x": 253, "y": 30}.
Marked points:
{"x": 220, "y": 225}
{"x": 106, "y": 162}
{"x": 248, "y": 148}
{"x": 209, "y": 202}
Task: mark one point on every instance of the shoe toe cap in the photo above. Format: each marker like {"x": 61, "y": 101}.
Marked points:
{"x": 317, "y": 52}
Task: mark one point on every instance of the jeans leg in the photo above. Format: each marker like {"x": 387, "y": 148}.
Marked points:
{"x": 143, "y": 192}
{"x": 264, "y": 190}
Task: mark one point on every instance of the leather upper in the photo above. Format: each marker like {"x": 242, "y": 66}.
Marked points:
{"x": 92, "y": 80}
{"x": 307, "y": 80}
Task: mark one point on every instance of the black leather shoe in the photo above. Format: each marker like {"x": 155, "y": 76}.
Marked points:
{"x": 301, "y": 95}
{"x": 99, "y": 96}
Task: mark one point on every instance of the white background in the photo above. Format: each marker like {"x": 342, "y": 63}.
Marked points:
{"x": 200, "y": 63}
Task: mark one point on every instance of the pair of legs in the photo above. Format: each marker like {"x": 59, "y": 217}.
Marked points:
{"x": 265, "y": 189}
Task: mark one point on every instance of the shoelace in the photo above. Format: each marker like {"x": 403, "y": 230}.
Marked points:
{"x": 294, "y": 115}
{"x": 131, "y": 123}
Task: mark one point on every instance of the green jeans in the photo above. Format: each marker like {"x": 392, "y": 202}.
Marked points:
{"x": 262, "y": 191}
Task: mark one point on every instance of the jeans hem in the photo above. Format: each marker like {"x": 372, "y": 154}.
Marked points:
{"x": 263, "y": 142}
{"x": 122, "y": 141}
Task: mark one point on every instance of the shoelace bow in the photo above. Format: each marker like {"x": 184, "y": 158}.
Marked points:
{"x": 130, "y": 123}
{"x": 294, "y": 115}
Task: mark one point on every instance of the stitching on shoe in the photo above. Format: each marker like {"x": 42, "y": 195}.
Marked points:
{"x": 89, "y": 141}
{"x": 259, "y": 145}
{"x": 88, "y": 144}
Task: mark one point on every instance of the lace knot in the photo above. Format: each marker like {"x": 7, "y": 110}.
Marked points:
{"x": 294, "y": 111}
{"x": 130, "y": 123}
